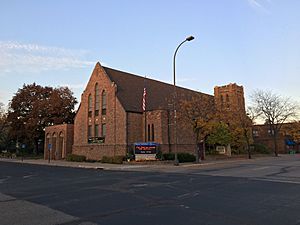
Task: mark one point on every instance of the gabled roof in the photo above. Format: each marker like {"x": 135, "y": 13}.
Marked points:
{"x": 130, "y": 89}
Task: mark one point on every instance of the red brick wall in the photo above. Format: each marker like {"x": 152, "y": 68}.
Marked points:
{"x": 135, "y": 126}
{"x": 97, "y": 151}
{"x": 235, "y": 95}
{"x": 156, "y": 118}
{"x": 115, "y": 120}
{"x": 261, "y": 136}
{"x": 163, "y": 121}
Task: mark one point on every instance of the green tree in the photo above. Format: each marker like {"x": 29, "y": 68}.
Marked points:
{"x": 34, "y": 107}
{"x": 3, "y": 128}
{"x": 220, "y": 134}
{"x": 240, "y": 125}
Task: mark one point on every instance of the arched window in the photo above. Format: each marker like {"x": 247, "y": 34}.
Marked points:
{"x": 104, "y": 103}
{"x": 48, "y": 137}
{"x": 90, "y": 105}
{"x": 61, "y": 147}
{"x": 97, "y": 99}
{"x": 53, "y": 152}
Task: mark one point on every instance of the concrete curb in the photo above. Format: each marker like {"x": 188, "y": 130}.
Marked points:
{"x": 134, "y": 167}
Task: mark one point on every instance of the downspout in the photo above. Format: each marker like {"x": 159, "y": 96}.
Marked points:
{"x": 115, "y": 118}
{"x": 127, "y": 145}
{"x": 168, "y": 116}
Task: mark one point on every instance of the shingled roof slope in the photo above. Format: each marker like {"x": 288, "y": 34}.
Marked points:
{"x": 130, "y": 89}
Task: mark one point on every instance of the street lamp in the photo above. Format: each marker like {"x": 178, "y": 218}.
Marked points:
{"x": 190, "y": 38}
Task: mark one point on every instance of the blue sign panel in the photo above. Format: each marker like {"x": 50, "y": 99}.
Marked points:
{"x": 145, "y": 148}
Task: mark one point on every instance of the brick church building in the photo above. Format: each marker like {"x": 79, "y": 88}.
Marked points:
{"x": 110, "y": 118}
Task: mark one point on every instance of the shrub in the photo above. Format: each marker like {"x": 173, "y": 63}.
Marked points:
{"x": 114, "y": 160}
{"x": 168, "y": 156}
{"x": 75, "y": 158}
{"x": 106, "y": 159}
{"x": 159, "y": 155}
{"x": 261, "y": 149}
{"x": 186, "y": 157}
{"x": 6, "y": 154}
{"x": 91, "y": 160}
{"x": 130, "y": 156}
{"x": 211, "y": 151}
{"x": 182, "y": 157}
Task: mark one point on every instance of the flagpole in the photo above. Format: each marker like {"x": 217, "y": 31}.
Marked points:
{"x": 145, "y": 126}
{"x": 144, "y": 109}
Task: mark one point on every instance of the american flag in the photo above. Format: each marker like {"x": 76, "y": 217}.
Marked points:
{"x": 144, "y": 100}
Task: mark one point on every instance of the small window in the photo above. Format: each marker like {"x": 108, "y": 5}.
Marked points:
{"x": 255, "y": 133}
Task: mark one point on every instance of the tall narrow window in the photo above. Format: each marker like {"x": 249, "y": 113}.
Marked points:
{"x": 103, "y": 103}
{"x": 222, "y": 100}
{"x": 227, "y": 98}
{"x": 96, "y": 133}
{"x": 227, "y": 102}
{"x": 152, "y": 132}
{"x": 148, "y": 132}
{"x": 89, "y": 133}
{"x": 97, "y": 100}
{"x": 103, "y": 129}
{"x": 90, "y": 105}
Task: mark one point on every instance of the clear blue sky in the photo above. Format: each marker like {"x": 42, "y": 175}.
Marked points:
{"x": 255, "y": 43}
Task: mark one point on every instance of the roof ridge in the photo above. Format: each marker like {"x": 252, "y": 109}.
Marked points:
{"x": 162, "y": 82}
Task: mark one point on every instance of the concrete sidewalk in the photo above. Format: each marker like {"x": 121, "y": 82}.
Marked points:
{"x": 138, "y": 166}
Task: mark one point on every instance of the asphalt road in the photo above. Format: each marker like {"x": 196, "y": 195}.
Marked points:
{"x": 265, "y": 192}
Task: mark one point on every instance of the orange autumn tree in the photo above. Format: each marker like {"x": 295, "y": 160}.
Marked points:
{"x": 292, "y": 130}
{"x": 198, "y": 112}
{"x": 34, "y": 107}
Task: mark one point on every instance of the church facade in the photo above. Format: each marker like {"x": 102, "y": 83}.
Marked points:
{"x": 111, "y": 116}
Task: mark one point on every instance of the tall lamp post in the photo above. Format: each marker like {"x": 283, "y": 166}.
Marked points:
{"x": 190, "y": 38}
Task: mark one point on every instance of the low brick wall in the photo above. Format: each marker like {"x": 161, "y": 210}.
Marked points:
{"x": 188, "y": 148}
{"x": 96, "y": 151}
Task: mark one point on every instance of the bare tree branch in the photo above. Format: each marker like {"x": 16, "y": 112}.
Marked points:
{"x": 275, "y": 110}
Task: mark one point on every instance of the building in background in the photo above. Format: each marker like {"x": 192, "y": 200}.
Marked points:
{"x": 262, "y": 134}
